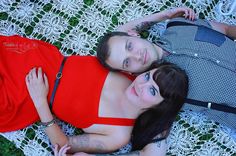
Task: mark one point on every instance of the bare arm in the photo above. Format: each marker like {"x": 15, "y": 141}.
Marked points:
{"x": 158, "y": 148}
{"x": 97, "y": 143}
{"x": 37, "y": 85}
{"x": 144, "y": 23}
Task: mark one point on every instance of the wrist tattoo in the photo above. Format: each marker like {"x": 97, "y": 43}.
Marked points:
{"x": 144, "y": 26}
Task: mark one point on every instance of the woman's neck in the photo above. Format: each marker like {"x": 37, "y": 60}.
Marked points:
{"x": 129, "y": 109}
{"x": 113, "y": 100}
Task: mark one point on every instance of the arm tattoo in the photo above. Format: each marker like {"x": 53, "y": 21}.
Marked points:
{"x": 134, "y": 153}
{"x": 158, "y": 144}
{"x": 143, "y": 26}
{"x": 79, "y": 141}
{"x": 83, "y": 142}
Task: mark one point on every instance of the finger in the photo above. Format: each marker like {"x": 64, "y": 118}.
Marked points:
{"x": 61, "y": 151}
{"x": 40, "y": 76}
{"x": 64, "y": 147}
{"x": 55, "y": 150}
{"x": 32, "y": 73}
{"x": 65, "y": 150}
{"x": 46, "y": 80}
{"x": 27, "y": 80}
{"x": 186, "y": 13}
{"x": 192, "y": 14}
{"x": 189, "y": 14}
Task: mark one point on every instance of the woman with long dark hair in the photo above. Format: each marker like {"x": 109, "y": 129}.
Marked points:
{"x": 104, "y": 104}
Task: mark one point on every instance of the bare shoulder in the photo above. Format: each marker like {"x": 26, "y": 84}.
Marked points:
{"x": 118, "y": 79}
{"x": 118, "y": 75}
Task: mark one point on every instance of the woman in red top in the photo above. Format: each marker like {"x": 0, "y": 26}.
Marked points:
{"x": 104, "y": 104}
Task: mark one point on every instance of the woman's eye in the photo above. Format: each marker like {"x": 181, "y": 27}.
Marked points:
{"x": 129, "y": 46}
{"x": 147, "y": 76}
{"x": 153, "y": 91}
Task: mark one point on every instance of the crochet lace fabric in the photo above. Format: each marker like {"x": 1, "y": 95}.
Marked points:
{"x": 74, "y": 26}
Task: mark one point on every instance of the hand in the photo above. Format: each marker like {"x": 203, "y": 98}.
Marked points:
{"x": 64, "y": 149}
{"x": 37, "y": 85}
{"x": 181, "y": 11}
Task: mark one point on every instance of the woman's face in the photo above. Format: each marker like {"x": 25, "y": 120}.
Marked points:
{"x": 144, "y": 92}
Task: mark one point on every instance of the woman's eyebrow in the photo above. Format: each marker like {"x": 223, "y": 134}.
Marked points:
{"x": 157, "y": 90}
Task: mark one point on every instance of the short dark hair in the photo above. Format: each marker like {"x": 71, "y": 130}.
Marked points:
{"x": 103, "y": 48}
{"x": 155, "y": 123}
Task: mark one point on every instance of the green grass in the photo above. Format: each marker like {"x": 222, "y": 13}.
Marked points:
{"x": 8, "y": 148}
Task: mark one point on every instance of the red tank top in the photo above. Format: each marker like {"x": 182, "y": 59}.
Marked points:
{"x": 77, "y": 97}
{"x": 79, "y": 91}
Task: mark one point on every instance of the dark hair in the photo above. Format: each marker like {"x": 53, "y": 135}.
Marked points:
{"x": 154, "y": 123}
{"x": 103, "y": 48}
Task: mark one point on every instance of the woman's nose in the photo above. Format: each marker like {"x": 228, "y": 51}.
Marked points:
{"x": 142, "y": 85}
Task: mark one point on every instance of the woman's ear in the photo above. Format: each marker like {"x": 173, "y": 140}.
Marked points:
{"x": 133, "y": 33}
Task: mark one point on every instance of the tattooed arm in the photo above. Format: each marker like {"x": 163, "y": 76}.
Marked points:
{"x": 106, "y": 141}
{"x": 100, "y": 139}
{"x": 136, "y": 26}
{"x": 158, "y": 148}
{"x": 100, "y": 142}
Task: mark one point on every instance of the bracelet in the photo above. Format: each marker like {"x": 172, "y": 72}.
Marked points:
{"x": 48, "y": 124}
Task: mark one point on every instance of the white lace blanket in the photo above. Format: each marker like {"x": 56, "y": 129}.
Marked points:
{"x": 74, "y": 26}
